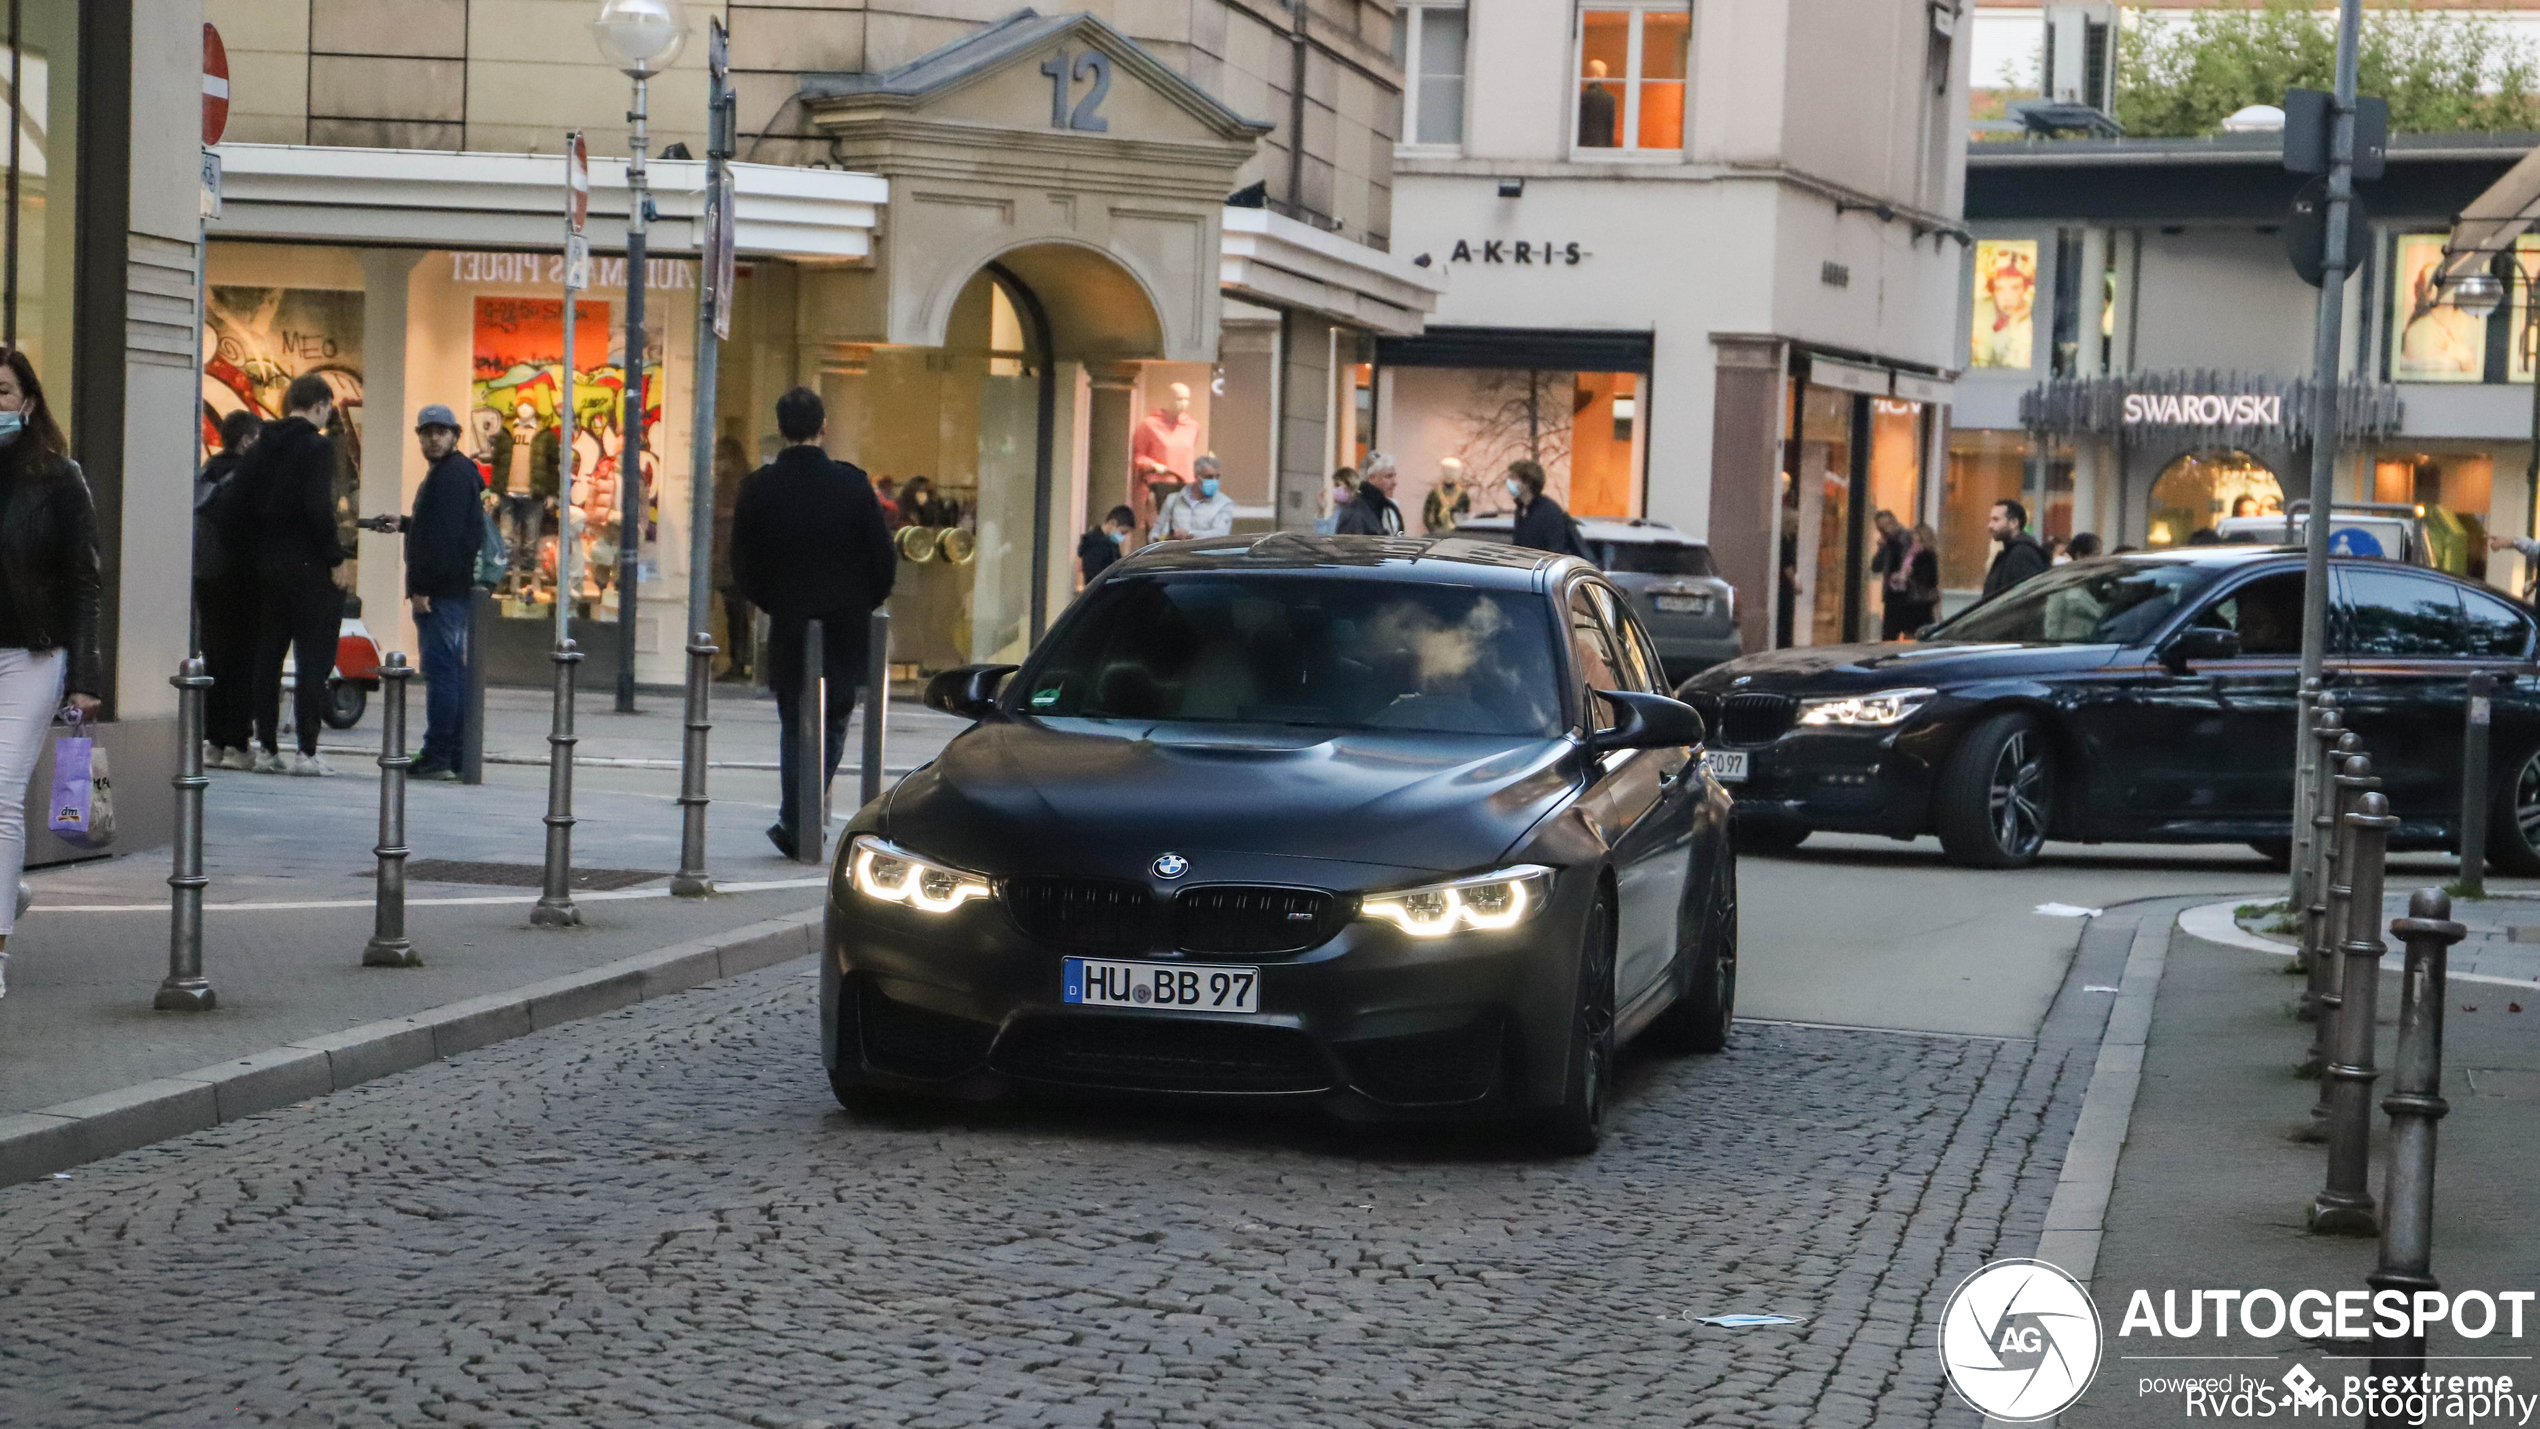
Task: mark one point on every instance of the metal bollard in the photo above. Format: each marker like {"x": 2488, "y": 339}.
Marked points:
{"x": 2319, "y": 797}
{"x": 2345, "y": 1206}
{"x": 692, "y": 880}
{"x": 480, "y": 606}
{"x": 2354, "y": 780}
{"x": 2306, "y": 757}
{"x": 811, "y": 750}
{"x": 2337, "y": 800}
{"x": 186, "y": 989}
{"x": 388, "y": 945}
{"x": 555, "y": 902}
{"x": 2474, "y": 791}
{"x": 2415, "y": 1104}
{"x": 877, "y": 702}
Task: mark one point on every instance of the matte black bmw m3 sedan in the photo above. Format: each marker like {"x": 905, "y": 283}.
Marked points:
{"x": 1405, "y": 829}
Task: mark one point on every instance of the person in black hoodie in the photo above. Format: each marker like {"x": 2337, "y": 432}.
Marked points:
{"x": 809, "y": 543}
{"x": 224, "y": 600}
{"x": 2021, "y": 557}
{"x": 283, "y": 529}
{"x": 48, "y": 604}
{"x": 443, "y": 538}
{"x": 1541, "y": 524}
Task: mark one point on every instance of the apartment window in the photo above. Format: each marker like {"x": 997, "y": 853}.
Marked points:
{"x": 1428, "y": 42}
{"x": 1632, "y": 77}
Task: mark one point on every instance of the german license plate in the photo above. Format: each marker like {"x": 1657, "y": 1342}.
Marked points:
{"x": 1726, "y": 765}
{"x": 1683, "y": 604}
{"x": 1211, "y": 987}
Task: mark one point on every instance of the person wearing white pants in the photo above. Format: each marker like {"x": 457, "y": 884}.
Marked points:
{"x": 48, "y": 605}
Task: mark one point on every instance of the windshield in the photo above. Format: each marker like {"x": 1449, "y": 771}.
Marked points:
{"x": 1655, "y": 558}
{"x": 1340, "y": 653}
{"x": 2086, "y": 603}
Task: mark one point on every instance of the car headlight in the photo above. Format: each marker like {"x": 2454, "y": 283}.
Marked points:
{"x": 1885, "y": 707}
{"x": 886, "y": 872}
{"x": 1483, "y": 902}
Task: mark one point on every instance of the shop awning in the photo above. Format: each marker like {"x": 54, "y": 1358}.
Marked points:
{"x": 438, "y": 199}
{"x": 1273, "y": 259}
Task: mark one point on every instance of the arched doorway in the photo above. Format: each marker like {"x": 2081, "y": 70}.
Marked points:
{"x": 2199, "y": 488}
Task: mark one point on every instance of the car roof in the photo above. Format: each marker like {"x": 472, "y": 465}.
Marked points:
{"x": 1595, "y": 528}
{"x": 1461, "y": 560}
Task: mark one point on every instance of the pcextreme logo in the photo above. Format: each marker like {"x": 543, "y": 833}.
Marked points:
{"x": 2020, "y": 1340}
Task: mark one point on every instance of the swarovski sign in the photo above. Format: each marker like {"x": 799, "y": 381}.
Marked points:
{"x": 2205, "y": 409}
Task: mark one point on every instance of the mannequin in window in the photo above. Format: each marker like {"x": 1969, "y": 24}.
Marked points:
{"x": 1162, "y": 450}
{"x": 1596, "y": 110}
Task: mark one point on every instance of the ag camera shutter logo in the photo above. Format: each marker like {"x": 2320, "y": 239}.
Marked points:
{"x": 2020, "y": 1340}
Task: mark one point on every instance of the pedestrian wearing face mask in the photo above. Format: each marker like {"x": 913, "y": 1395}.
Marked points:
{"x": 1098, "y": 548}
{"x": 1541, "y": 523}
{"x": 48, "y": 603}
{"x": 1199, "y": 510}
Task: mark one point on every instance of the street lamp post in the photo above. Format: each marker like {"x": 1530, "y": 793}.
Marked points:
{"x": 640, "y": 37}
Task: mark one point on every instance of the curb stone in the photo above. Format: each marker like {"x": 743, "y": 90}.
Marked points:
{"x": 55, "y": 1138}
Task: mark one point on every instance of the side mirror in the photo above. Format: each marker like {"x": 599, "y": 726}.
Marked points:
{"x": 969, "y": 691}
{"x": 1647, "y": 722}
{"x": 2199, "y": 642}
{"x": 1924, "y": 633}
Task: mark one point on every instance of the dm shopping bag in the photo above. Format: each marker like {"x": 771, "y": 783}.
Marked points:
{"x": 83, "y": 808}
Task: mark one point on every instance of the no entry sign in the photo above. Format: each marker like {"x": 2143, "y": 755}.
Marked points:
{"x": 215, "y": 86}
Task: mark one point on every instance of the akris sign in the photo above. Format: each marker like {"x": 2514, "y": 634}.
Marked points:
{"x": 1500, "y": 250}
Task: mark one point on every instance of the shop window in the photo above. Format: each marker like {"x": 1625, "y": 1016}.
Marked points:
{"x": 2450, "y": 491}
{"x": 1631, "y": 78}
{"x": 42, "y": 181}
{"x": 1984, "y": 467}
{"x": 1603, "y": 472}
{"x": 1824, "y": 508}
{"x": 1429, "y": 44}
{"x": 2440, "y": 343}
{"x": 2197, "y": 490}
{"x": 1896, "y": 485}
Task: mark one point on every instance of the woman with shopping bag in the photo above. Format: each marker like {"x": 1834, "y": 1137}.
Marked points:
{"x": 48, "y": 605}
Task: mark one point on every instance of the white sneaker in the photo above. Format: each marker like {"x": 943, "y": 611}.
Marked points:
{"x": 238, "y": 759}
{"x": 311, "y": 766}
{"x": 269, "y": 762}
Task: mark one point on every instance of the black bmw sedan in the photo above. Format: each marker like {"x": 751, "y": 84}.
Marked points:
{"x": 1401, "y": 828}
{"x": 2142, "y": 697}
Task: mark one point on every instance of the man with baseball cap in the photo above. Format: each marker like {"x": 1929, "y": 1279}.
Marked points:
{"x": 442, "y": 540}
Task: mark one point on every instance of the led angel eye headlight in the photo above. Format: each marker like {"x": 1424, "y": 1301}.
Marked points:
{"x": 890, "y": 874}
{"x": 1883, "y": 708}
{"x": 1485, "y": 903}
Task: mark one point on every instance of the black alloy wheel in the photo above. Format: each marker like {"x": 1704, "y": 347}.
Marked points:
{"x": 1997, "y": 794}
{"x": 2277, "y": 852}
{"x": 2513, "y": 824}
{"x": 1575, "y": 1128}
{"x": 1770, "y": 837}
{"x": 1700, "y": 1018}
{"x": 345, "y": 702}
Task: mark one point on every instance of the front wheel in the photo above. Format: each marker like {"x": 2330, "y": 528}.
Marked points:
{"x": 2513, "y": 821}
{"x": 1699, "y": 1021}
{"x": 1575, "y": 1128}
{"x": 1997, "y": 794}
{"x": 345, "y": 702}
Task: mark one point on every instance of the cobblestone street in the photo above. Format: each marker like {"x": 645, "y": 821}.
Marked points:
{"x": 661, "y": 1217}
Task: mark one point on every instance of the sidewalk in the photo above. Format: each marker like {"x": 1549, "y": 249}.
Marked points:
{"x": 290, "y": 903}
{"x": 2211, "y": 1189}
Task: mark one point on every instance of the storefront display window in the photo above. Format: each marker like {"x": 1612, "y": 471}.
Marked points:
{"x": 1823, "y": 507}
{"x": 1984, "y": 467}
{"x": 1632, "y": 78}
{"x": 2451, "y": 490}
{"x": 2201, "y": 488}
{"x": 1584, "y": 428}
{"x": 1429, "y": 43}
{"x": 517, "y": 420}
{"x": 1896, "y": 488}
{"x": 257, "y": 340}
{"x": 42, "y": 180}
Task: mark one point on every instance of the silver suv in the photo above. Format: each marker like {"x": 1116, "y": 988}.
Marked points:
{"x": 1673, "y": 585}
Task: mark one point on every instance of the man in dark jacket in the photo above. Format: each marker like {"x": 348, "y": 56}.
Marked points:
{"x": 1372, "y": 512}
{"x": 1098, "y": 548}
{"x": 2020, "y": 558}
{"x": 224, "y": 601}
{"x": 282, "y": 529}
{"x": 1541, "y": 524}
{"x": 443, "y": 538}
{"x": 809, "y": 543}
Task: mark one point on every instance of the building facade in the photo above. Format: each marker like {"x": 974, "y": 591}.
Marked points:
{"x": 2138, "y": 348}
{"x": 1013, "y": 250}
{"x": 1701, "y": 264}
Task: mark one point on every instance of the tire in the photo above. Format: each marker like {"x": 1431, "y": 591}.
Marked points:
{"x": 1997, "y": 794}
{"x": 1770, "y": 838}
{"x": 2513, "y": 820}
{"x": 2277, "y": 852}
{"x": 1575, "y": 1128}
{"x": 1699, "y": 1019}
{"x": 345, "y": 702}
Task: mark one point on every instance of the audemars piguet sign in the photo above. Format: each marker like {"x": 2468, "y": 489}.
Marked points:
{"x": 2204, "y": 409}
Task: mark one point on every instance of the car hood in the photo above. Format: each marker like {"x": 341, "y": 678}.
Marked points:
{"x": 1106, "y": 798}
{"x": 1845, "y": 669}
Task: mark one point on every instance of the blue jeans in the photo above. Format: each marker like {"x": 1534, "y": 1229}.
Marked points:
{"x": 840, "y": 704}
{"x": 442, "y": 631}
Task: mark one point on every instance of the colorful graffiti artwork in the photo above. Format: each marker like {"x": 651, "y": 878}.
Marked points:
{"x": 515, "y": 397}
{"x": 256, "y": 340}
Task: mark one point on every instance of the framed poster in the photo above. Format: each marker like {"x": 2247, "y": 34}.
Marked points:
{"x": 2441, "y": 344}
{"x": 2003, "y": 327}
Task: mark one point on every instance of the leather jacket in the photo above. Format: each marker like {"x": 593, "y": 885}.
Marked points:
{"x": 48, "y": 555}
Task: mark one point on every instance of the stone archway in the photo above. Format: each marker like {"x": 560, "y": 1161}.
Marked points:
{"x": 2201, "y": 486}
